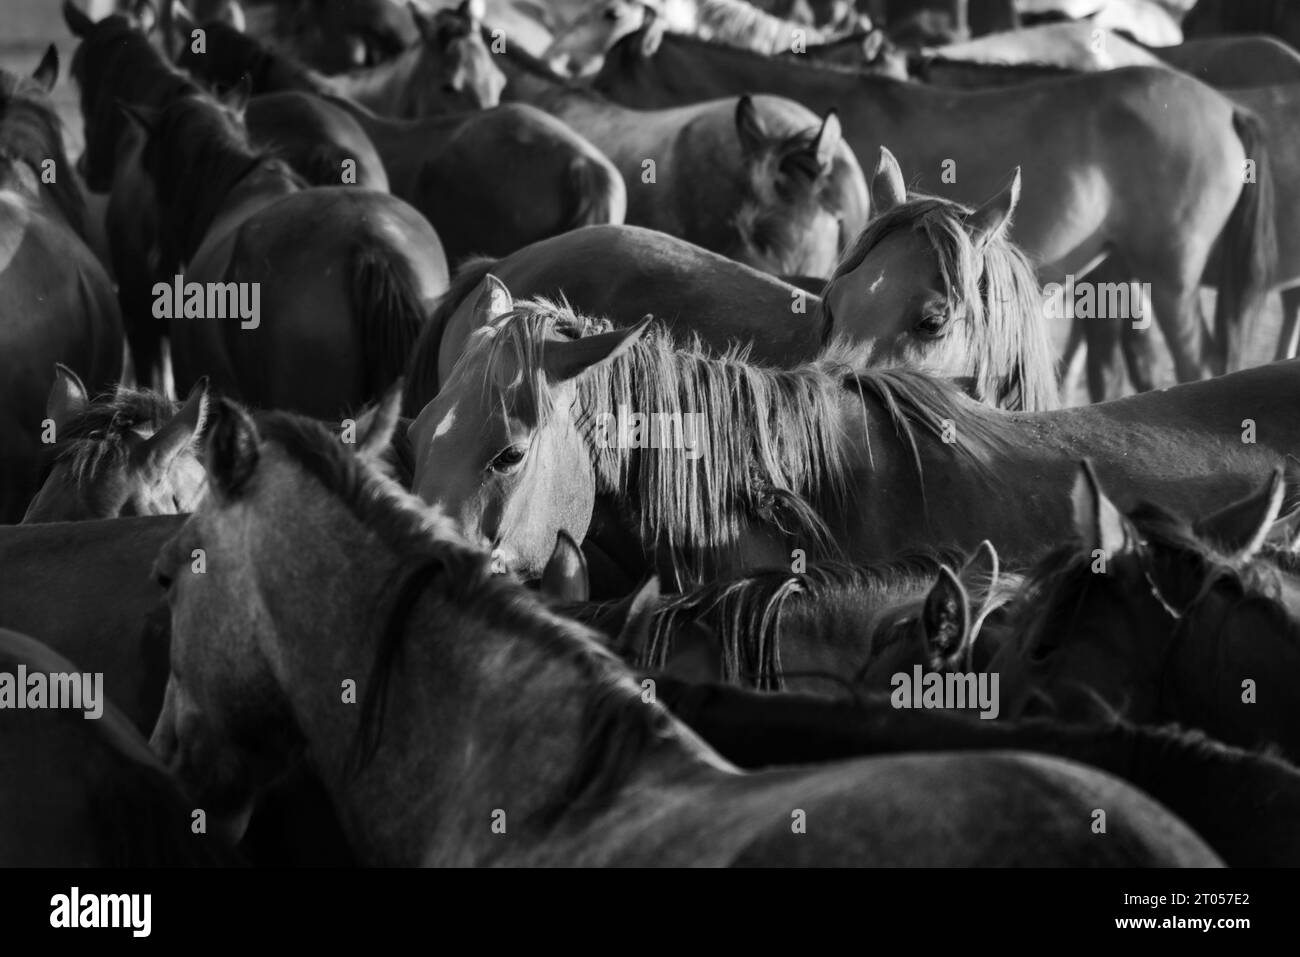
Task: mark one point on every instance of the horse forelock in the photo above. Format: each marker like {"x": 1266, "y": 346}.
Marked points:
{"x": 96, "y": 440}
{"x": 30, "y": 134}
{"x": 619, "y": 726}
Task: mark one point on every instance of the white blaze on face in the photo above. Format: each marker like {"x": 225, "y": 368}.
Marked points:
{"x": 876, "y": 285}
{"x": 445, "y": 425}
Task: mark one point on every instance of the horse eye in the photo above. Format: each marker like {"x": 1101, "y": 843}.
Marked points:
{"x": 611, "y": 13}
{"x": 931, "y": 325}
{"x": 508, "y": 459}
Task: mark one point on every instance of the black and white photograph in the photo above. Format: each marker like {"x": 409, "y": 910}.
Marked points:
{"x": 594, "y": 434}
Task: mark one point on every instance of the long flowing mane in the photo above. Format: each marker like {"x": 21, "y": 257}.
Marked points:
{"x": 773, "y": 449}
{"x": 997, "y": 290}
{"x": 30, "y": 134}
{"x": 620, "y": 728}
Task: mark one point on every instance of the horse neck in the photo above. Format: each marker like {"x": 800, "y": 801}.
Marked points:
{"x": 477, "y": 719}
{"x": 525, "y": 85}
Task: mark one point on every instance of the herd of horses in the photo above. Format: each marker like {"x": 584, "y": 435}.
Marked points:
{"x": 379, "y": 587}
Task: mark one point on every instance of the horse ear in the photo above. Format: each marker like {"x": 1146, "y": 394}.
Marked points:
{"x": 565, "y": 575}
{"x": 872, "y": 44}
{"x": 991, "y": 219}
{"x": 47, "y": 71}
{"x": 887, "y": 187}
{"x": 634, "y": 637}
{"x": 653, "y": 36}
{"x": 77, "y": 22}
{"x": 1239, "y": 529}
{"x": 67, "y": 397}
{"x": 376, "y": 425}
{"x": 145, "y": 16}
{"x": 566, "y": 359}
{"x": 232, "y": 452}
{"x": 158, "y": 452}
{"x": 235, "y": 99}
{"x": 753, "y": 134}
{"x": 945, "y": 618}
{"x": 828, "y": 140}
{"x": 492, "y": 301}
{"x": 1096, "y": 519}
{"x": 980, "y": 573}
{"x": 423, "y": 22}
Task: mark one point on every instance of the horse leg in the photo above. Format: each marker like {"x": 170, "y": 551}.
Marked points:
{"x": 1177, "y": 310}
{"x": 1287, "y": 340}
{"x": 1105, "y": 375}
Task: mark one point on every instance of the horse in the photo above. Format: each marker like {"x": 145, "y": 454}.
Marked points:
{"x": 577, "y": 50}
{"x": 1072, "y": 46}
{"x": 1235, "y": 61}
{"x": 623, "y": 273}
{"x": 1092, "y": 194}
{"x": 1161, "y": 619}
{"x": 80, "y": 793}
{"x": 589, "y": 773}
{"x": 759, "y": 179}
{"x": 722, "y": 466}
{"x": 349, "y": 274}
{"x": 450, "y": 69}
{"x": 1240, "y": 802}
{"x": 338, "y": 35}
{"x": 115, "y": 62}
{"x": 831, "y": 626}
{"x": 1213, "y": 18}
{"x": 936, "y": 285}
{"x": 84, "y": 588}
{"x": 57, "y": 301}
{"x": 131, "y": 453}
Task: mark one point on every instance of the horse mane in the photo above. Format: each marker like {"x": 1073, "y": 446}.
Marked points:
{"x": 746, "y": 614}
{"x": 422, "y": 370}
{"x": 30, "y": 133}
{"x": 740, "y": 23}
{"x": 773, "y": 445}
{"x": 201, "y": 144}
{"x": 919, "y": 64}
{"x": 96, "y": 438}
{"x": 619, "y": 727}
{"x": 996, "y": 291}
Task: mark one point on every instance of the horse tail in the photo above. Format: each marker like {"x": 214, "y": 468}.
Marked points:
{"x": 598, "y": 193}
{"x": 1248, "y": 256}
{"x": 386, "y": 302}
{"x": 422, "y": 372}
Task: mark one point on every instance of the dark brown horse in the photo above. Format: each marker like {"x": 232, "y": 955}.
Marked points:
{"x": 333, "y": 284}
{"x": 56, "y": 301}
{"x": 323, "y": 144}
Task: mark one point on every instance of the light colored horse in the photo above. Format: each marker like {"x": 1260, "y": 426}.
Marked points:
{"x": 935, "y": 285}
{"x": 493, "y": 732}
{"x": 736, "y": 465}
